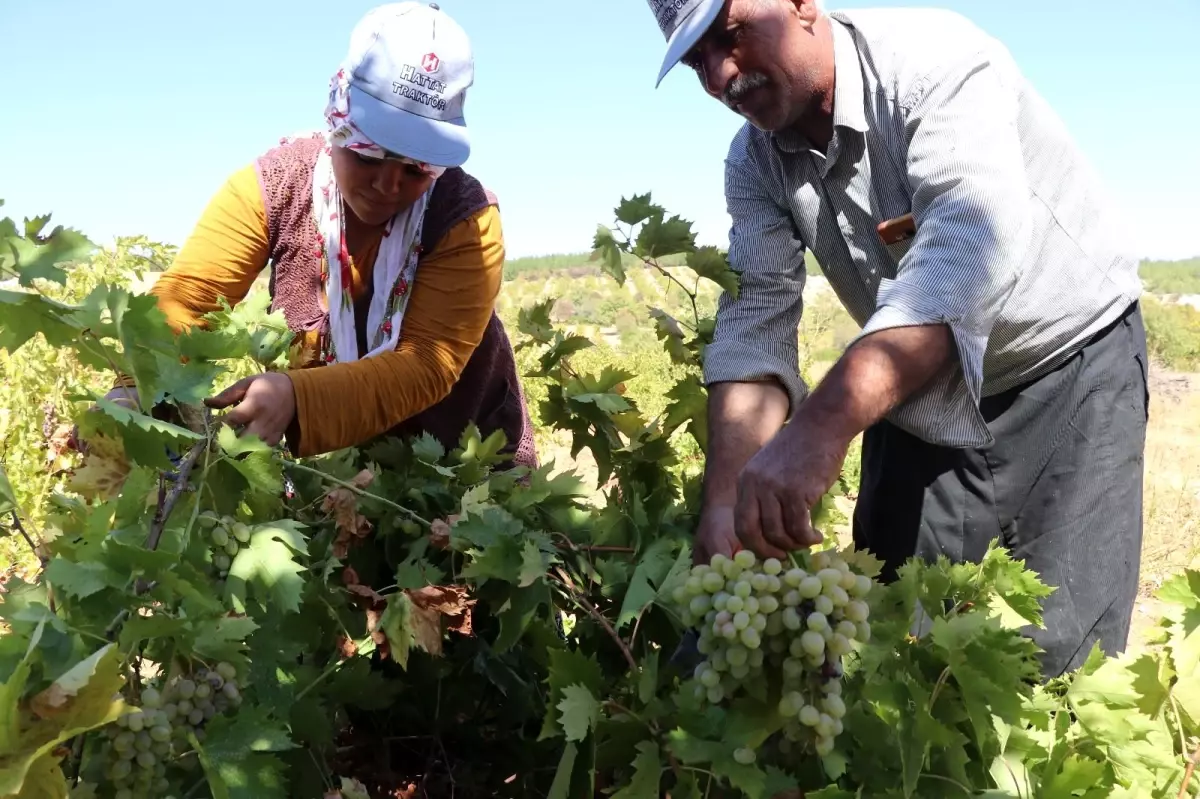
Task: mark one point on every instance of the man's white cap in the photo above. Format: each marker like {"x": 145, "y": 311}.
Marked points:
{"x": 682, "y": 23}
{"x": 409, "y": 69}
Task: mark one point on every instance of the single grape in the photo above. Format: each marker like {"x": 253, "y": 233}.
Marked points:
{"x": 151, "y": 698}
{"x": 710, "y": 677}
{"x": 729, "y": 631}
{"x": 743, "y": 755}
{"x": 838, "y": 726}
{"x": 862, "y": 586}
{"x": 839, "y": 596}
{"x": 796, "y": 648}
{"x": 704, "y": 646}
{"x": 717, "y": 563}
{"x": 790, "y": 704}
{"x": 679, "y": 596}
{"x": 184, "y": 707}
{"x": 818, "y": 561}
{"x": 823, "y": 605}
{"x": 693, "y": 585}
{"x": 792, "y": 668}
{"x": 208, "y": 519}
{"x": 744, "y": 558}
{"x": 824, "y": 746}
{"x": 231, "y": 548}
{"x": 740, "y": 672}
{"x": 816, "y": 622}
{"x": 810, "y": 587}
{"x": 812, "y": 642}
{"x": 825, "y": 725}
{"x": 712, "y": 582}
{"x": 730, "y": 570}
{"x": 123, "y": 742}
{"x": 809, "y": 716}
{"x": 170, "y": 710}
{"x": 741, "y": 620}
{"x": 196, "y": 717}
{"x": 220, "y": 537}
{"x": 760, "y": 582}
{"x": 832, "y": 688}
{"x": 834, "y": 706}
{"x": 700, "y": 604}
{"x": 160, "y": 732}
{"x": 146, "y": 759}
{"x": 750, "y": 637}
{"x": 791, "y": 619}
{"x": 743, "y": 588}
{"x": 718, "y": 661}
{"x": 715, "y": 694}
{"x": 120, "y": 770}
{"x": 722, "y": 618}
{"x": 768, "y": 604}
{"x": 221, "y": 562}
{"x": 202, "y": 690}
{"x": 241, "y": 532}
{"x": 863, "y": 631}
{"x": 838, "y": 645}
{"x": 758, "y": 622}
{"x": 856, "y": 611}
{"x": 736, "y": 656}
{"x": 829, "y": 577}
{"x": 791, "y": 599}
{"x": 720, "y": 601}
{"x": 755, "y": 659}
{"x": 136, "y": 720}
{"x": 772, "y": 566}
{"x": 735, "y": 603}
{"x": 793, "y": 577}
{"x": 142, "y": 741}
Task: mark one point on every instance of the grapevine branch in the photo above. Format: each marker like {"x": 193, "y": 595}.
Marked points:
{"x": 582, "y": 601}
{"x": 351, "y": 487}
{"x": 16, "y": 525}
{"x": 1187, "y": 775}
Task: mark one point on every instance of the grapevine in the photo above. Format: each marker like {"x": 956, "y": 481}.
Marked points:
{"x": 416, "y": 617}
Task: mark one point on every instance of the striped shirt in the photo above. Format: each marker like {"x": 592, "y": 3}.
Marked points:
{"x": 1018, "y": 249}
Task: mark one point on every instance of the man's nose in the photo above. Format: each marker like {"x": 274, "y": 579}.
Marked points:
{"x": 719, "y": 70}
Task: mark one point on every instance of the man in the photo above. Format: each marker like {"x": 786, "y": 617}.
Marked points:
{"x": 1000, "y": 376}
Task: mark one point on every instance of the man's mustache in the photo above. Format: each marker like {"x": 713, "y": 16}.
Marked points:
{"x": 742, "y": 85}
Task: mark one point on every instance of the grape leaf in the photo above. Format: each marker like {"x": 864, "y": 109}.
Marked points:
{"x": 1076, "y": 774}
{"x": 568, "y": 667}
{"x": 647, "y": 774}
{"x": 580, "y": 711}
{"x": 40, "y": 256}
{"x": 45, "y": 780}
{"x": 561, "y": 787}
{"x": 690, "y": 404}
{"x": 606, "y": 250}
{"x": 78, "y": 701}
{"x": 1181, "y": 589}
{"x": 667, "y": 328}
{"x": 636, "y": 209}
{"x": 710, "y": 263}
{"x": 517, "y": 612}
{"x": 251, "y": 730}
{"x": 81, "y": 580}
{"x": 253, "y": 775}
{"x": 223, "y": 638}
{"x": 145, "y": 438}
{"x": 653, "y": 567}
{"x": 268, "y": 564}
{"x": 8, "y": 500}
{"x": 659, "y": 236}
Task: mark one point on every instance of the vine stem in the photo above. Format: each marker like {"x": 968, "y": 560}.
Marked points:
{"x": 20, "y": 528}
{"x": 351, "y": 487}
{"x": 582, "y": 601}
{"x": 1187, "y": 775}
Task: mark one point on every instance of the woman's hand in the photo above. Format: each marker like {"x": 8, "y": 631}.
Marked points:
{"x": 266, "y": 405}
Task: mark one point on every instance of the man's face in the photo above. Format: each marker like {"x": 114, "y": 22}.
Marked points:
{"x": 760, "y": 58}
{"x": 377, "y": 189}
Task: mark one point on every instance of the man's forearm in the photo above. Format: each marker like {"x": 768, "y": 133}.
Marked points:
{"x": 742, "y": 418}
{"x": 875, "y": 375}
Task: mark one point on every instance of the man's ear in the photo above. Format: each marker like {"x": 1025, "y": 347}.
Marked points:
{"x": 809, "y": 11}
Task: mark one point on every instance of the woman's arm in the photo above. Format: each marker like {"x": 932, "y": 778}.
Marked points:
{"x": 221, "y": 258}
{"x": 455, "y": 291}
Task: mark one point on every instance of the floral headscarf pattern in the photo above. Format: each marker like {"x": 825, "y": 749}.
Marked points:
{"x": 396, "y": 264}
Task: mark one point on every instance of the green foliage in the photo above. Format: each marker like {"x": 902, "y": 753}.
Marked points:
{"x": 1171, "y": 277}
{"x": 1172, "y": 333}
{"x": 406, "y": 612}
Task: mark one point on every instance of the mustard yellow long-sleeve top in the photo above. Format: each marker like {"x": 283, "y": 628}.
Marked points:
{"x": 345, "y": 404}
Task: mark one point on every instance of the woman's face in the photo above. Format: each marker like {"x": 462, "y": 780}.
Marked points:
{"x": 376, "y": 189}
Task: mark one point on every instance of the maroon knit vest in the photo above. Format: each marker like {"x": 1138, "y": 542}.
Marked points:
{"x": 488, "y": 391}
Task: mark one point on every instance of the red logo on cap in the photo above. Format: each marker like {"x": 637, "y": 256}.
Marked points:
{"x": 430, "y": 62}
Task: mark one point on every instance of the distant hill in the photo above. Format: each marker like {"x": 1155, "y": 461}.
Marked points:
{"x": 1160, "y": 277}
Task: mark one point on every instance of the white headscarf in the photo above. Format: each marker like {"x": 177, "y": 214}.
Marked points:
{"x": 395, "y": 265}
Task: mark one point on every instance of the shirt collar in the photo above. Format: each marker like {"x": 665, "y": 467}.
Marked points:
{"x": 848, "y": 110}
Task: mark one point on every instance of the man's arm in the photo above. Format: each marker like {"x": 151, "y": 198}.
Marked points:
{"x": 752, "y": 365}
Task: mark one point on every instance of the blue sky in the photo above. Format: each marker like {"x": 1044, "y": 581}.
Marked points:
{"x": 125, "y": 117}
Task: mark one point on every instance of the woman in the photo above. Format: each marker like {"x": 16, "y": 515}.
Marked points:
{"x": 385, "y": 257}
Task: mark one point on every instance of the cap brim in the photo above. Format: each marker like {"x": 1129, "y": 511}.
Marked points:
{"x": 441, "y": 143}
{"x": 687, "y": 34}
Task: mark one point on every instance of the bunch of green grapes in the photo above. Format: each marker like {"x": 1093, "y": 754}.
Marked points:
{"x": 226, "y": 535}
{"x": 155, "y": 733}
{"x": 760, "y": 621}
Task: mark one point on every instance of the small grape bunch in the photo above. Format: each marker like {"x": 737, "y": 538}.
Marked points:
{"x": 790, "y": 626}
{"x": 226, "y": 536}
{"x": 155, "y": 733}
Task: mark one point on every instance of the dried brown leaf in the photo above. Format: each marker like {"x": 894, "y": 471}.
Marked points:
{"x": 439, "y": 534}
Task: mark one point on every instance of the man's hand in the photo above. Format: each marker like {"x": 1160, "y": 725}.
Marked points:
{"x": 266, "y": 405}
{"x": 715, "y": 535}
{"x": 780, "y": 485}
{"x": 788, "y": 476}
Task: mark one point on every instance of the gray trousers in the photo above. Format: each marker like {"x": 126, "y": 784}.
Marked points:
{"x": 1061, "y": 487}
